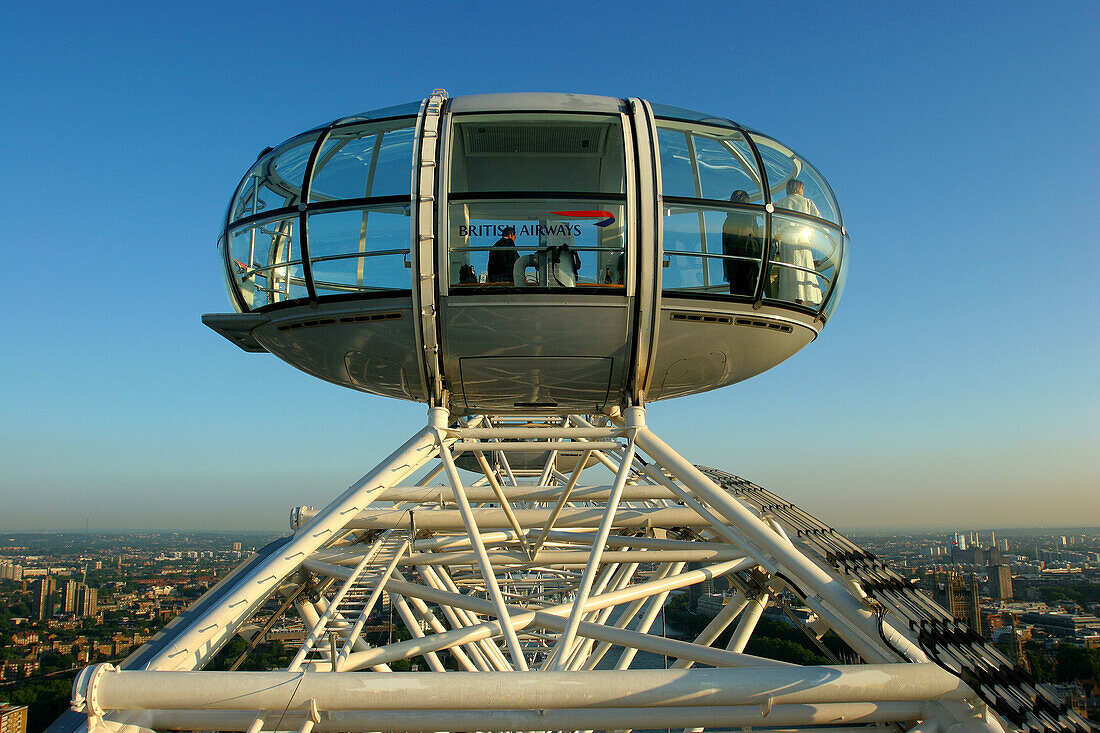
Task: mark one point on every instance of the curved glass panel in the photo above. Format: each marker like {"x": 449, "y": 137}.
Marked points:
{"x": 727, "y": 165}
{"x": 229, "y": 280}
{"x": 795, "y": 184}
{"x": 709, "y": 249}
{"x": 408, "y": 109}
{"x": 708, "y": 164}
{"x": 841, "y": 279}
{"x": 679, "y": 113}
{"x": 364, "y": 161}
{"x": 276, "y": 180}
{"x": 267, "y": 261}
{"x": 677, "y": 176}
{"x": 533, "y": 243}
{"x": 360, "y": 250}
{"x": 803, "y": 261}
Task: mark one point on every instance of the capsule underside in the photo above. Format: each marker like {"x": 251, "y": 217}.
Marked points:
{"x": 531, "y": 253}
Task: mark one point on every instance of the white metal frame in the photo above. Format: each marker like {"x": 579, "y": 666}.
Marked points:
{"x": 532, "y": 597}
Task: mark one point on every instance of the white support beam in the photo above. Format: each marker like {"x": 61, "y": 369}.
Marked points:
{"x": 601, "y": 689}
{"x": 826, "y": 595}
{"x": 717, "y": 625}
{"x": 483, "y": 562}
{"x": 217, "y": 624}
{"x": 435, "y": 519}
{"x": 654, "y": 607}
{"x": 741, "y": 635}
{"x": 563, "y": 558}
{"x": 547, "y": 494}
{"x": 806, "y": 717}
{"x": 552, "y": 618}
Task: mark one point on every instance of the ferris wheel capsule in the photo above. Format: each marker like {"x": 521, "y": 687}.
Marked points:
{"x": 531, "y": 253}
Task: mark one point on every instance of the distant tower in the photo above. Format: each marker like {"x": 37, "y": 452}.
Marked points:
{"x": 68, "y": 598}
{"x": 958, "y": 593}
{"x": 86, "y": 601}
{"x": 236, "y": 547}
{"x": 44, "y": 590}
{"x": 1000, "y": 582}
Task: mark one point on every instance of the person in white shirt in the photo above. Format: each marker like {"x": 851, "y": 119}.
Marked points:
{"x": 798, "y": 286}
{"x": 796, "y": 201}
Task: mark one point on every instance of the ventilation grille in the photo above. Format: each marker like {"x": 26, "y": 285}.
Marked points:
{"x": 561, "y": 139}
{"x": 370, "y": 317}
{"x": 727, "y": 320}
{"x": 313, "y": 323}
{"x": 770, "y": 325}
{"x": 698, "y": 318}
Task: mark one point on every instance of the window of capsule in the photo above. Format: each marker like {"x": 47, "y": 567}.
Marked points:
{"x": 536, "y": 201}
{"x": 715, "y": 220}
{"x": 357, "y": 216}
{"x": 805, "y": 255}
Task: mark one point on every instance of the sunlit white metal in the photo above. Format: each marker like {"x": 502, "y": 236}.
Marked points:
{"x": 788, "y": 685}
{"x": 802, "y": 717}
{"x": 562, "y": 573}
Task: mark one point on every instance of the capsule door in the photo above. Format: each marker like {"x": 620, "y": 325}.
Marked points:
{"x": 535, "y": 260}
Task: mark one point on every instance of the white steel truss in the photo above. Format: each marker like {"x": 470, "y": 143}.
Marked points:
{"x": 528, "y": 562}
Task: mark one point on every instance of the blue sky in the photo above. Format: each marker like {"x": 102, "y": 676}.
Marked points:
{"x": 956, "y": 385}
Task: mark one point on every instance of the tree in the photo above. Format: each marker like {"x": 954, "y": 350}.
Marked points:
{"x": 1074, "y": 663}
{"x": 783, "y": 650}
{"x": 1040, "y": 664}
{"x": 45, "y": 700}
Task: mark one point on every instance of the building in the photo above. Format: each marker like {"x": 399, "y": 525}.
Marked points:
{"x": 958, "y": 594}
{"x": 79, "y": 599}
{"x": 976, "y": 555}
{"x": 13, "y": 718}
{"x": 86, "y": 601}
{"x": 1063, "y": 624}
{"x": 24, "y": 638}
{"x": 10, "y": 571}
{"x": 19, "y": 668}
{"x": 45, "y": 591}
{"x": 1000, "y": 582}
{"x": 68, "y": 597}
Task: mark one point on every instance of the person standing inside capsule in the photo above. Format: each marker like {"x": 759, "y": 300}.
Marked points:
{"x": 740, "y": 238}
{"x": 795, "y": 200}
{"x": 797, "y": 285}
{"x": 503, "y": 257}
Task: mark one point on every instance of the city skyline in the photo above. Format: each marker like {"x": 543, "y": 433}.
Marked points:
{"x": 955, "y": 387}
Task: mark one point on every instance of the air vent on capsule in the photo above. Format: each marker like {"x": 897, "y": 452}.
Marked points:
{"x": 758, "y": 323}
{"x": 700, "y": 318}
{"x": 370, "y": 317}
{"x": 315, "y": 322}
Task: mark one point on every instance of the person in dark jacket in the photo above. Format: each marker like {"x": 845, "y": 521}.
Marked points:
{"x": 503, "y": 258}
{"x": 741, "y": 238}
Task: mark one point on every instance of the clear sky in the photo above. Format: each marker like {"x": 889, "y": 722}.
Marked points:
{"x": 956, "y": 385}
